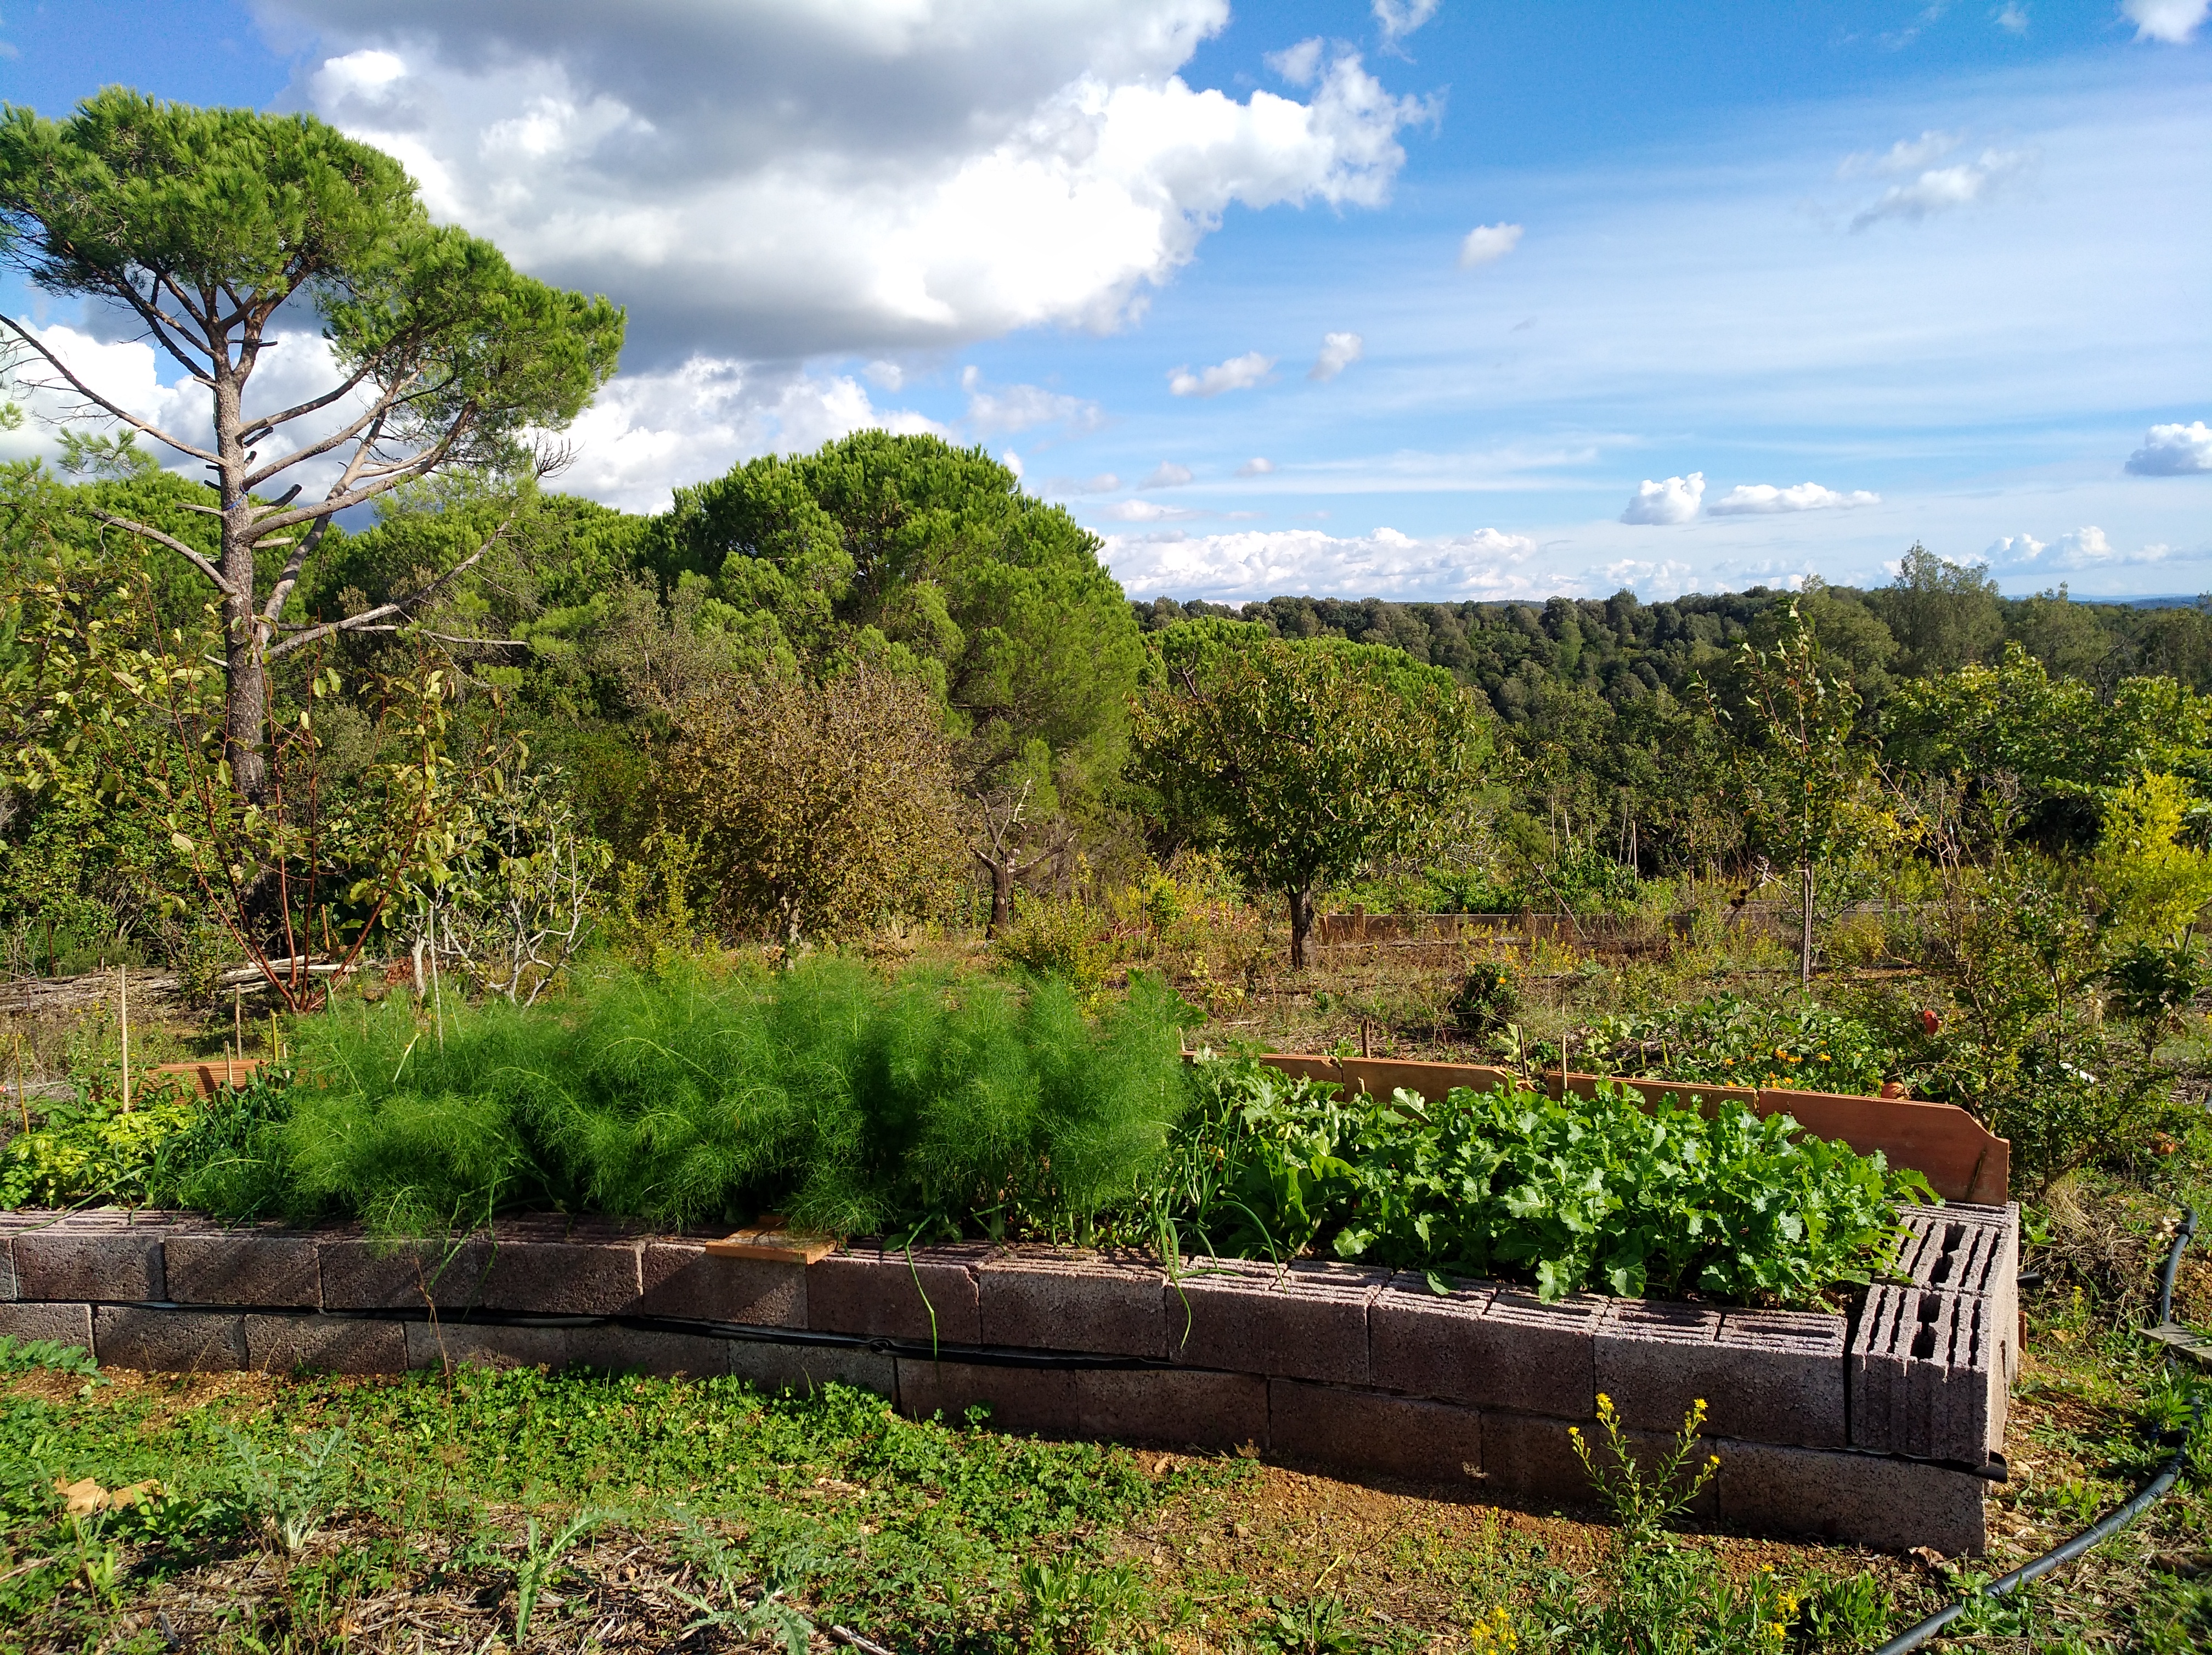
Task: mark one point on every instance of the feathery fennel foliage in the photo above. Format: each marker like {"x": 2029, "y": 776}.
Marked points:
{"x": 935, "y": 1101}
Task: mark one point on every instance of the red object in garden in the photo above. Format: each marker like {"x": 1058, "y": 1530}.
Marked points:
{"x": 1894, "y": 1090}
{"x": 1930, "y": 1020}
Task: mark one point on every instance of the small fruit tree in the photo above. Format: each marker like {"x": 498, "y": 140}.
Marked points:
{"x": 1306, "y": 756}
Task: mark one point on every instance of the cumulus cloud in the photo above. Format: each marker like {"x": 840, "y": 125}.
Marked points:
{"x": 2173, "y": 451}
{"x": 648, "y": 430}
{"x": 1485, "y": 244}
{"x": 885, "y": 376}
{"x": 1299, "y": 64}
{"x": 1941, "y": 188}
{"x": 1675, "y": 500}
{"x": 1237, "y": 374}
{"x": 2174, "y": 22}
{"x": 2011, "y": 17}
{"x": 1167, "y": 475}
{"x": 1258, "y": 466}
{"x": 1024, "y": 407}
{"x": 2087, "y": 547}
{"x": 1399, "y": 18}
{"x": 1248, "y": 563}
{"x": 779, "y": 182}
{"x": 1761, "y": 499}
{"x": 1337, "y": 352}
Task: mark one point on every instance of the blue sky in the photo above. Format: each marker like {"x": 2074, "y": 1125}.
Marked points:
{"x": 1786, "y": 287}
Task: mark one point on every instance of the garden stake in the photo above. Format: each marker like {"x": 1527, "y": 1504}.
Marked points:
{"x": 22, "y": 1097}
{"x": 123, "y": 1018}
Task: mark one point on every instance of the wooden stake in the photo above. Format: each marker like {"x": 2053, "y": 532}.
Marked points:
{"x": 22, "y": 1097}
{"x": 123, "y": 1017}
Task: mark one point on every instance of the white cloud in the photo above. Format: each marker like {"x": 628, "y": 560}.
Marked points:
{"x": 1941, "y": 188}
{"x": 1145, "y": 511}
{"x": 1105, "y": 483}
{"x": 2173, "y": 451}
{"x": 1485, "y": 244}
{"x": 2011, "y": 17}
{"x": 1299, "y": 64}
{"x": 1337, "y": 352}
{"x": 1023, "y": 407}
{"x": 1760, "y": 499}
{"x": 2174, "y": 22}
{"x": 647, "y": 430}
{"x": 758, "y": 182}
{"x": 1167, "y": 475}
{"x": 1675, "y": 500}
{"x": 1237, "y": 374}
{"x": 2086, "y": 548}
{"x": 1399, "y": 18}
{"x": 1905, "y": 155}
{"x": 1251, "y": 563}
{"x": 1012, "y": 462}
{"x": 885, "y": 376}
{"x": 1258, "y": 466}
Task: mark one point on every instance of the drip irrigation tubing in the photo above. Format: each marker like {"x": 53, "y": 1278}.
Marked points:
{"x": 2113, "y": 1521}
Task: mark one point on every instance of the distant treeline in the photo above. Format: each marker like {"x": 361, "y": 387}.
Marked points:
{"x": 1937, "y": 617}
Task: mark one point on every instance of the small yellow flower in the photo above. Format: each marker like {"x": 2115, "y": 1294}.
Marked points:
{"x": 1824, "y": 1057}
{"x": 1783, "y": 1055}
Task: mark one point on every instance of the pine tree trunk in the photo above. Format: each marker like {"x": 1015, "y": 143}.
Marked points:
{"x": 246, "y": 699}
{"x": 1302, "y": 915}
{"x": 1002, "y": 895}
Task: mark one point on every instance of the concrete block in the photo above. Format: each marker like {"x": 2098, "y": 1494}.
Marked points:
{"x": 1861, "y": 1499}
{"x": 806, "y": 1368}
{"x": 10, "y": 1285}
{"x": 325, "y": 1344}
{"x": 1654, "y": 1358}
{"x": 1032, "y": 1401}
{"x": 1928, "y": 1374}
{"x": 1536, "y": 1358}
{"x": 680, "y": 1279}
{"x": 1305, "y": 1320}
{"x": 100, "y": 1256}
{"x": 1060, "y": 1300}
{"x": 1528, "y": 1458}
{"x": 610, "y": 1347}
{"x": 64, "y": 1324}
{"x": 1175, "y": 1408}
{"x": 881, "y": 1293}
{"x": 360, "y": 1274}
{"x": 444, "y": 1345}
{"x": 168, "y": 1342}
{"x": 1370, "y": 1433}
{"x": 1430, "y": 1344}
{"x": 556, "y": 1266}
{"x": 271, "y": 1268}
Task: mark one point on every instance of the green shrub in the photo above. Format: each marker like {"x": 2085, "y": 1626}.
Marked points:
{"x": 1596, "y": 1194}
{"x": 1789, "y": 1044}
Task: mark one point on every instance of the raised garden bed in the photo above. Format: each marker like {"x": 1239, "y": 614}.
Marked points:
{"x": 1878, "y": 1428}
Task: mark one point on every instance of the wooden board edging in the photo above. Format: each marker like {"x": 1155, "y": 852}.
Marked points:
{"x": 1956, "y": 1153}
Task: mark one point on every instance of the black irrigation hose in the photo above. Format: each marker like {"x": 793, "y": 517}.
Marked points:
{"x": 1913, "y": 1637}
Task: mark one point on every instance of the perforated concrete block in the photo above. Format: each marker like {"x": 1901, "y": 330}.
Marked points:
{"x": 558, "y": 1266}
{"x": 1862, "y": 1499}
{"x": 1929, "y": 1373}
{"x": 168, "y": 1342}
{"x": 10, "y": 1286}
{"x": 359, "y": 1274}
{"x": 1974, "y": 1249}
{"x": 681, "y": 1280}
{"x": 1174, "y": 1408}
{"x": 103, "y": 1256}
{"x": 1777, "y": 1377}
{"x": 1036, "y": 1300}
{"x": 1369, "y": 1432}
{"x": 610, "y": 1347}
{"x": 1304, "y": 1320}
{"x": 262, "y": 1266}
{"x": 881, "y": 1293}
{"x": 1035, "y": 1401}
{"x": 808, "y": 1369}
{"x": 325, "y": 1344}
{"x": 64, "y": 1324}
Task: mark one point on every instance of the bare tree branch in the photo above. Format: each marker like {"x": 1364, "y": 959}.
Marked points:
{"x": 397, "y": 606}
{"x": 174, "y": 544}
{"x": 31, "y": 341}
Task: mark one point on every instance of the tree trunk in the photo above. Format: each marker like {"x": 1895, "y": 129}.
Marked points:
{"x": 1002, "y": 894}
{"x": 1805, "y": 936}
{"x": 245, "y": 700}
{"x": 1302, "y": 915}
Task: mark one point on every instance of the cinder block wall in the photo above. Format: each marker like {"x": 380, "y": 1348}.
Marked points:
{"x": 1881, "y": 1428}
